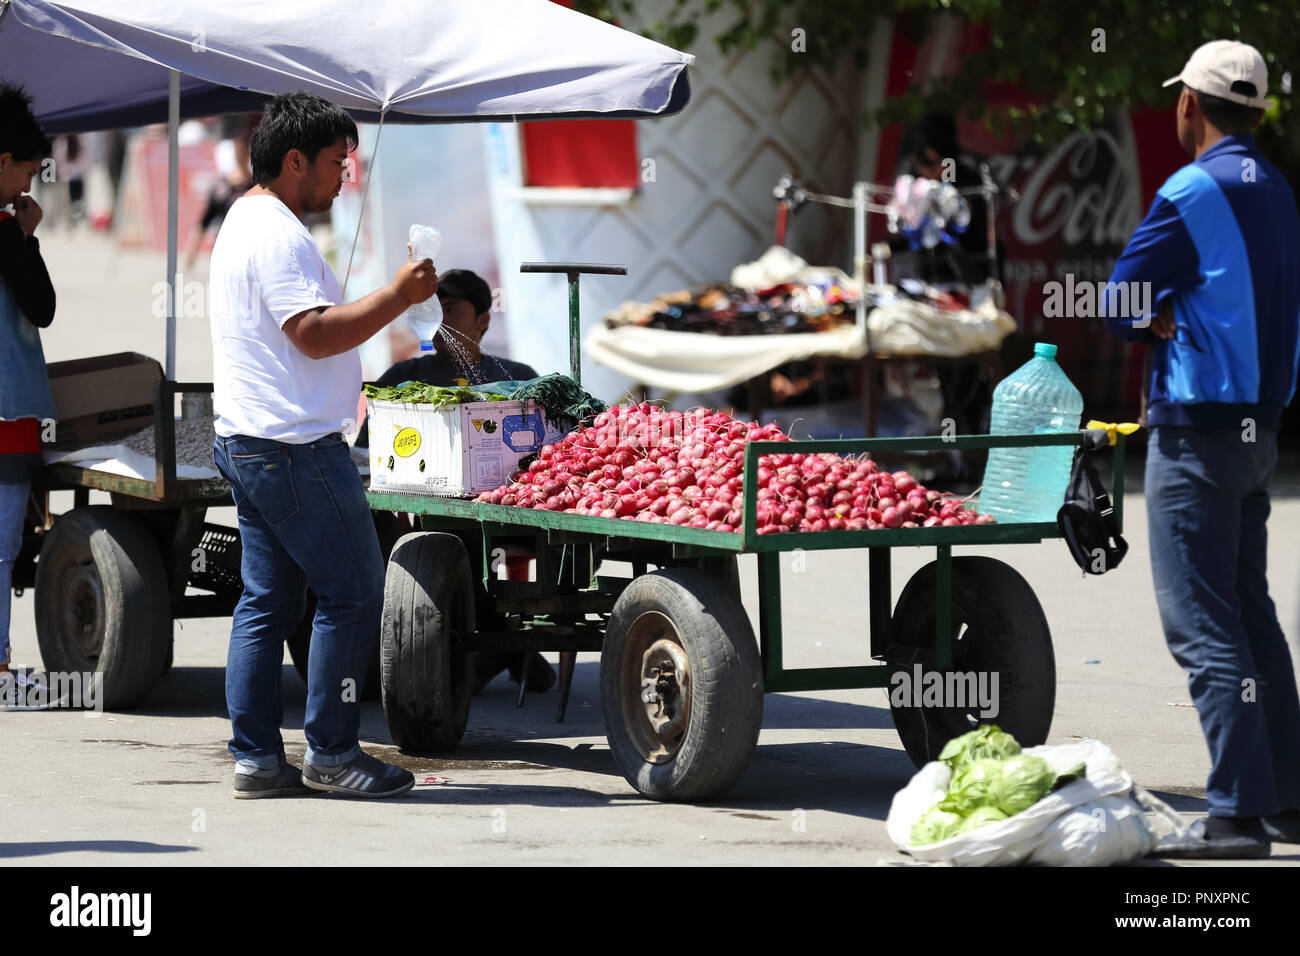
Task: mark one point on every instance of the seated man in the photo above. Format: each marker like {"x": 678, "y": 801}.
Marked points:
{"x": 457, "y": 360}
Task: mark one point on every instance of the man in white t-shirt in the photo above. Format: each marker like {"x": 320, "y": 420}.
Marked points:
{"x": 287, "y": 379}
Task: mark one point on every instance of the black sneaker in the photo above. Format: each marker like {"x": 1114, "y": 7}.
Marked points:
{"x": 363, "y": 776}
{"x": 286, "y": 783}
{"x": 1284, "y": 828}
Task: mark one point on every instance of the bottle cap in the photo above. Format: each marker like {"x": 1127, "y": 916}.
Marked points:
{"x": 428, "y": 347}
{"x": 1045, "y": 350}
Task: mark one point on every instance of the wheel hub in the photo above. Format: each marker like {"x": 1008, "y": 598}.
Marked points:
{"x": 666, "y": 688}
{"x": 656, "y": 688}
{"x": 84, "y": 611}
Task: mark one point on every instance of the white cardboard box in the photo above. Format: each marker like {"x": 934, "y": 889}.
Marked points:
{"x": 453, "y": 450}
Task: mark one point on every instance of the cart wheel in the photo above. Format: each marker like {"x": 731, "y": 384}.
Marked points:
{"x": 999, "y": 627}
{"x": 299, "y": 642}
{"x": 723, "y": 566}
{"x": 681, "y": 685}
{"x": 425, "y": 669}
{"x": 102, "y": 602}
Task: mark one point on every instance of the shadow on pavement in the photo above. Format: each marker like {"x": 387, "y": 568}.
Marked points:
{"x": 12, "y": 850}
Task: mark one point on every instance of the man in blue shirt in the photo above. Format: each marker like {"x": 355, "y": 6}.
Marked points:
{"x": 1218, "y": 253}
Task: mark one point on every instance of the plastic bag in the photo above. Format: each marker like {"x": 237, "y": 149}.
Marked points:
{"x": 1016, "y": 839}
{"x": 1102, "y": 833}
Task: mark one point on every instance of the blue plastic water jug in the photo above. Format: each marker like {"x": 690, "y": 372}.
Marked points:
{"x": 1028, "y": 484}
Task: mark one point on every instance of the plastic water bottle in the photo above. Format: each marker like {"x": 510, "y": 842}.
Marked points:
{"x": 1028, "y": 484}
{"x": 425, "y": 317}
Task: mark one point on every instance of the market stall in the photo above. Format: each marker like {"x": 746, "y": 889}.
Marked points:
{"x": 779, "y": 309}
{"x": 677, "y": 497}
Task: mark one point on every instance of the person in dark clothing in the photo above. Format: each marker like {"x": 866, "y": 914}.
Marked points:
{"x": 1217, "y": 253}
{"x": 26, "y": 306}
{"x": 457, "y": 359}
{"x": 924, "y": 150}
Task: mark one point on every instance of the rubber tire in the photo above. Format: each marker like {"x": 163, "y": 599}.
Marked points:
{"x": 726, "y": 685}
{"x": 726, "y": 567}
{"x": 136, "y": 614}
{"x": 426, "y": 671}
{"x": 1007, "y": 632}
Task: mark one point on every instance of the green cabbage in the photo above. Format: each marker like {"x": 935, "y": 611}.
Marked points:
{"x": 986, "y": 742}
{"x": 973, "y": 787}
{"x": 980, "y": 817}
{"x": 1021, "y": 782}
{"x": 934, "y": 826}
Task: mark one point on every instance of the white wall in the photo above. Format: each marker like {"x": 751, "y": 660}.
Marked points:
{"x": 708, "y": 208}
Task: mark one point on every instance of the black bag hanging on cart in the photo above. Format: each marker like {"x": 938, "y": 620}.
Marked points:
{"x": 1087, "y": 519}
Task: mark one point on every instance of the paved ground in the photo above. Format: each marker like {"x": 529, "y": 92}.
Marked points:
{"x": 153, "y": 786}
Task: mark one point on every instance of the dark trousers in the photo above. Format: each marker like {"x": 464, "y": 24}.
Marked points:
{"x": 1207, "y": 506}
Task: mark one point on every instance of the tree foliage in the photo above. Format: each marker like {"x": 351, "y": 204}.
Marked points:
{"x": 1075, "y": 60}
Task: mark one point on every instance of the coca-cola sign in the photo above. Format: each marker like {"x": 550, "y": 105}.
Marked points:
{"x": 1078, "y": 205}
{"x": 1084, "y": 192}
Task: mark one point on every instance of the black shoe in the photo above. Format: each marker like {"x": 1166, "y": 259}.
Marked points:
{"x": 541, "y": 675}
{"x": 1284, "y": 828}
{"x": 1218, "y": 838}
{"x": 363, "y": 776}
{"x": 287, "y": 782}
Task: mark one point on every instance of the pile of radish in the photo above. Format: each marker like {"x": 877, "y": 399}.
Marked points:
{"x": 685, "y": 468}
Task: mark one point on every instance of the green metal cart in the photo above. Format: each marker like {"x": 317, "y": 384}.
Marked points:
{"x": 682, "y": 675}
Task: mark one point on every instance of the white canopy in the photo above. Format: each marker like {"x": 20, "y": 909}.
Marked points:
{"x": 102, "y": 64}
{"x": 95, "y": 64}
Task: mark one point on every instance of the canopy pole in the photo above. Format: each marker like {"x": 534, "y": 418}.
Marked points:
{"x": 173, "y": 203}
{"x": 860, "y": 205}
{"x": 365, "y": 191}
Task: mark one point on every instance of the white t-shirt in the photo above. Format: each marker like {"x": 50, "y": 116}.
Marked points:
{"x": 266, "y": 268}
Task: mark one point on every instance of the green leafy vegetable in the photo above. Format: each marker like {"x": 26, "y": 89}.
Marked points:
{"x": 418, "y": 393}
{"x": 981, "y": 816}
{"x": 1022, "y": 782}
{"x": 935, "y": 825}
{"x": 986, "y": 742}
{"x": 973, "y": 787}
{"x": 1010, "y": 785}
{"x": 1071, "y": 775}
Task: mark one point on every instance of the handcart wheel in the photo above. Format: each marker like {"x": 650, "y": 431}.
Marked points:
{"x": 725, "y": 567}
{"x": 681, "y": 685}
{"x": 425, "y": 669}
{"x": 999, "y": 627}
{"x": 101, "y": 602}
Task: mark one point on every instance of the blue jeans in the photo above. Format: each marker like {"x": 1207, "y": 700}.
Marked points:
{"x": 13, "y": 508}
{"x": 303, "y": 521}
{"x": 1207, "y": 505}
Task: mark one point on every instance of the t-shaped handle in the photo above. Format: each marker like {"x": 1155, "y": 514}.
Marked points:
{"x": 572, "y": 270}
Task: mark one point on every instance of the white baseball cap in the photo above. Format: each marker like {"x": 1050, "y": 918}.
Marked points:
{"x": 1216, "y": 65}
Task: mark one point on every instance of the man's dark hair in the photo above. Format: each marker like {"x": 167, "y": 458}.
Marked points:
{"x": 1229, "y": 118}
{"x": 298, "y": 121}
{"x": 20, "y": 135}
